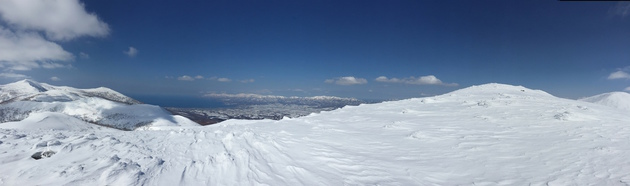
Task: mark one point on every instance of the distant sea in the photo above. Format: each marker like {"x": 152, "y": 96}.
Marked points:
{"x": 180, "y": 101}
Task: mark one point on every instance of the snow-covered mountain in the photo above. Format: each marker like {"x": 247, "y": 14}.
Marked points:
{"x": 24, "y": 99}
{"x": 29, "y": 90}
{"x": 492, "y": 134}
{"x": 620, "y": 100}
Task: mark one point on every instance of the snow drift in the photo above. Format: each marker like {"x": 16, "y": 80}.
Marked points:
{"x": 102, "y": 106}
{"x": 491, "y": 134}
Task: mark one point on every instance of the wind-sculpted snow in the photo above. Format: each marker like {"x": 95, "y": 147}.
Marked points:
{"x": 486, "y": 135}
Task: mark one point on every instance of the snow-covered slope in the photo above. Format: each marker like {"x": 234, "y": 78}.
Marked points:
{"x": 51, "y": 121}
{"x": 29, "y": 90}
{"x": 23, "y": 99}
{"x": 492, "y": 134}
{"x": 620, "y": 100}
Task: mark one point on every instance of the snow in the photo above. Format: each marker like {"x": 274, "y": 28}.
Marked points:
{"x": 26, "y": 99}
{"x": 620, "y": 100}
{"x": 29, "y": 90}
{"x": 50, "y": 121}
{"x": 491, "y": 134}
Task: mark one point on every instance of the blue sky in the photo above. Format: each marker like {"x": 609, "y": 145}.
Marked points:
{"x": 309, "y": 48}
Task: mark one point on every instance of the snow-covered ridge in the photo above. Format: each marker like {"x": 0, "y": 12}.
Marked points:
{"x": 29, "y": 90}
{"x": 23, "y": 100}
{"x": 620, "y": 100}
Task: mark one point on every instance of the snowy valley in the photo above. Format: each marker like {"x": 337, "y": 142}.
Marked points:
{"x": 492, "y": 134}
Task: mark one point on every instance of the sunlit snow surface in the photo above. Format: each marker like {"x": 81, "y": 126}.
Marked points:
{"x": 485, "y": 135}
{"x": 619, "y": 100}
{"x": 31, "y": 102}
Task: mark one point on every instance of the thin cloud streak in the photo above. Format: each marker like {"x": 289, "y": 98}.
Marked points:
{"x": 348, "y": 80}
{"x": 422, "y": 80}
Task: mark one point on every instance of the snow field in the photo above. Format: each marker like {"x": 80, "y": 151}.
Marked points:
{"x": 485, "y": 135}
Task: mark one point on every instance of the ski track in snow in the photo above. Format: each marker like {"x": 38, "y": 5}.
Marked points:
{"x": 493, "y": 137}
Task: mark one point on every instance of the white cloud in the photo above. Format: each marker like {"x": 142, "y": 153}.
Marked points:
{"x": 59, "y": 19}
{"x": 191, "y": 78}
{"x": 185, "y": 78}
{"x": 247, "y": 81}
{"x": 619, "y": 75}
{"x": 13, "y": 76}
{"x": 423, "y": 80}
{"x": 223, "y": 80}
{"x": 348, "y": 80}
{"x": 627, "y": 89}
{"x": 83, "y": 55}
{"x": 28, "y": 50}
{"x": 23, "y": 24}
{"x": 387, "y": 80}
{"x": 220, "y": 79}
{"x": 132, "y": 52}
{"x": 621, "y": 9}
{"x": 55, "y": 78}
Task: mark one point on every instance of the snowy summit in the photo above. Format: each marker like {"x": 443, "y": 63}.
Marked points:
{"x": 29, "y": 90}
{"x": 620, "y": 100}
{"x": 491, "y": 134}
